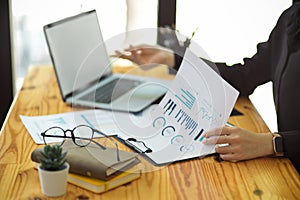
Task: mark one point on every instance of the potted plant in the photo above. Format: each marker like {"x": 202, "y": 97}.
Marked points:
{"x": 53, "y": 170}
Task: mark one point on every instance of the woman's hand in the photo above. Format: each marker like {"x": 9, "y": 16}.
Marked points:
{"x": 239, "y": 144}
{"x": 147, "y": 54}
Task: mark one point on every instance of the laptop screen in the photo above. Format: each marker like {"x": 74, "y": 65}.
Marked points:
{"x": 77, "y": 51}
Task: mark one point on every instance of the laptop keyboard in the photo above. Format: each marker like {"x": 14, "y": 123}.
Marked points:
{"x": 111, "y": 90}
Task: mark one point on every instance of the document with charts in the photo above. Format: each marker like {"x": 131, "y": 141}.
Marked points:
{"x": 99, "y": 119}
{"x": 198, "y": 100}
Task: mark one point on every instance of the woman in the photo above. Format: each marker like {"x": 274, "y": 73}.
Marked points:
{"x": 277, "y": 60}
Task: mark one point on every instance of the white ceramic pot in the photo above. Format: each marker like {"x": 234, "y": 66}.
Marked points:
{"x": 54, "y": 183}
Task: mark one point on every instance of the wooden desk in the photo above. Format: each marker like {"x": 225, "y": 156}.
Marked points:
{"x": 264, "y": 178}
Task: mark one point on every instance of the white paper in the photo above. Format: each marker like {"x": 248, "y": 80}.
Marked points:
{"x": 198, "y": 100}
{"x": 98, "y": 119}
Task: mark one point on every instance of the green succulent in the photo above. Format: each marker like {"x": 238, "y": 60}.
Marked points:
{"x": 52, "y": 158}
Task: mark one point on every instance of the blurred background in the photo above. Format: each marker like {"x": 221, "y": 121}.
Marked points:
{"x": 227, "y": 30}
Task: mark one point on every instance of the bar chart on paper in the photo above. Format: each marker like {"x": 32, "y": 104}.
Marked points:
{"x": 184, "y": 114}
{"x": 186, "y": 98}
{"x": 188, "y": 110}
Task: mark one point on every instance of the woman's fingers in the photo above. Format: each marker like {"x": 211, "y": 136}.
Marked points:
{"x": 222, "y": 139}
{"x": 230, "y": 152}
{"x": 221, "y": 135}
{"x": 123, "y": 54}
{"x": 219, "y": 131}
{"x": 134, "y": 56}
{"x": 229, "y": 156}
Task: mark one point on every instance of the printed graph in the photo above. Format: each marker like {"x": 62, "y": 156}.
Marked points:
{"x": 186, "y": 98}
{"x": 57, "y": 121}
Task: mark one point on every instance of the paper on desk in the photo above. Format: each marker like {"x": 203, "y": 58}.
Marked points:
{"x": 99, "y": 119}
{"x": 198, "y": 100}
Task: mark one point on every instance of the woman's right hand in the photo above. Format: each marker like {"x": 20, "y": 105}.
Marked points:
{"x": 147, "y": 54}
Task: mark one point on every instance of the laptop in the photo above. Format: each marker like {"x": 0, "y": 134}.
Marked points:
{"x": 83, "y": 68}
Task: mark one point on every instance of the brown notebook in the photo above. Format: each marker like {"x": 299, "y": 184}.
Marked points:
{"x": 93, "y": 161}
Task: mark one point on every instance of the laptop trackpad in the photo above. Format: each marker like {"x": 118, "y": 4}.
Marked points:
{"x": 140, "y": 97}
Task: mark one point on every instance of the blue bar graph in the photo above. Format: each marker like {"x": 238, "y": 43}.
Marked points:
{"x": 58, "y": 121}
{"x": 170, "y": 106}
{"x": 198, "y": 135}
{"x": 186, "y": 98}
{"x": 87, "y": 121}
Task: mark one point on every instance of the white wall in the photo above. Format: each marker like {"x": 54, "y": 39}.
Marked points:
{"x": 229, "y": 31}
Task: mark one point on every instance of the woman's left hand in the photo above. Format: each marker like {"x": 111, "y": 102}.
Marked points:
{"x": 235, "y": 143}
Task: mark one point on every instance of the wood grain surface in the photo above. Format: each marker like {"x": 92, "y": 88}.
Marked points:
{"x": 206, "y": 178}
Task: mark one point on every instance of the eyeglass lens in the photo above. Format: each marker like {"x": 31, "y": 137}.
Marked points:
{"x": 83, "y": 135}
{"x": 55, "y": 131}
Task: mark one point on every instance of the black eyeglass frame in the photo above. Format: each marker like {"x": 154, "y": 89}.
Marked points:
{"x": 73, "y": 137}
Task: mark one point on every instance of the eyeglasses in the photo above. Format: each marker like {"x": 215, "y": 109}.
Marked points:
{"x": 81, "y": 135}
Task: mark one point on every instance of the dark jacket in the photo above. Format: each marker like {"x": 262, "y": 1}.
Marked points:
{"x": 277, "y": 60}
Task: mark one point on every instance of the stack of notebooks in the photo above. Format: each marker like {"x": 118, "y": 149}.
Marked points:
{"x": 98, "y": 170}
{"x": 99, "y": 186}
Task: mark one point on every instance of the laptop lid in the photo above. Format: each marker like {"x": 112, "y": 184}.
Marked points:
{"x": 77, "y": 51}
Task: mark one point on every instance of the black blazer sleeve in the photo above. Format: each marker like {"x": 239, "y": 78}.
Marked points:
{"x": 276, "y": 60}
{"x": 253, "y": 72}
